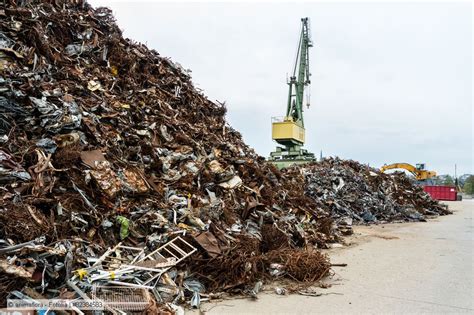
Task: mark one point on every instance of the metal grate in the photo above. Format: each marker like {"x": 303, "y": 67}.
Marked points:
{"x": 122, "y": 298}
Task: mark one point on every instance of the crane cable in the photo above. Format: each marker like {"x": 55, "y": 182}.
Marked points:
{"x": 308, "y": 95}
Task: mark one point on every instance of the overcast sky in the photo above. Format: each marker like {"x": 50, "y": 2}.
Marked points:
{"x": 391, "y": 82}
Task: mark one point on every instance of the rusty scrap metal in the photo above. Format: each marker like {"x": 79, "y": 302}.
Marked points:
{"x": 355, "y": 193}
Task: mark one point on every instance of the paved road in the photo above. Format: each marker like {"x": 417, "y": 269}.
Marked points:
{"x": 398, "y": 268}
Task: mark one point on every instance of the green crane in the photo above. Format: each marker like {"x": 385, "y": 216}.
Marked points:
{"x": 289, "y": 131}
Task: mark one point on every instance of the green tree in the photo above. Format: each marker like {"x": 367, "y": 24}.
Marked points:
{"x": 448, "y": 181}
{"x": 469, "y": 185}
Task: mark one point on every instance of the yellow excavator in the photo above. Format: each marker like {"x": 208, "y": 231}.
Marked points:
{"x": 419, "y": 171}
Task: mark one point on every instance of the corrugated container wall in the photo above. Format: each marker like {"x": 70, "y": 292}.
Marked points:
{"x": 441, "y": 192}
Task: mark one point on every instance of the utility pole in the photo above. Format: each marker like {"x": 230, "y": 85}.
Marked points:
{"x": 456, "y": 176}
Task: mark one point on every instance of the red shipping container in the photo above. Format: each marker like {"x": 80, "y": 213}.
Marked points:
{"x": 441, "y": 192}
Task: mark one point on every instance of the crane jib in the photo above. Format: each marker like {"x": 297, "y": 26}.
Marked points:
{"x": 300, "y": 78}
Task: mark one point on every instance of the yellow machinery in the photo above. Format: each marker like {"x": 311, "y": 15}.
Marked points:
{"x": 418, "y": 171}
{"x": 287, "y": 132}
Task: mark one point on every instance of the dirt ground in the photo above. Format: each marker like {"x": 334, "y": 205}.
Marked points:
{"x": 391, "y": 268}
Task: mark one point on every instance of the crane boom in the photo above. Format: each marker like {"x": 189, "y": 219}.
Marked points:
{"x": 297, "y": 83}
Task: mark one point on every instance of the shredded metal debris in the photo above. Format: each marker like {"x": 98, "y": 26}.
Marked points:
{"x": 355, "y": 193}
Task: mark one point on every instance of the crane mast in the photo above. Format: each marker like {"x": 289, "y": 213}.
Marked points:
{"x": 289, "y": 130}
{"x": 297, "y": 84}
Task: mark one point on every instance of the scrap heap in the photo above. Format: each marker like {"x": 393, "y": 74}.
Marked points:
{"x": 115, "y": 169}
{"x": 352, "y": 191}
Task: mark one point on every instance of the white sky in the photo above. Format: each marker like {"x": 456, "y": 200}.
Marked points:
{"x": 391, "y": 82}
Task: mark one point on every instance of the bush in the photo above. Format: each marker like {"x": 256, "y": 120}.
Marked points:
{"x": 469, "y": 185}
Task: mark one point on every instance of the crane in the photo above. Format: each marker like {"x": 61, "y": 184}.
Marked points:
{"x": 289, "y": 130}
{"x": 418, "y": 171}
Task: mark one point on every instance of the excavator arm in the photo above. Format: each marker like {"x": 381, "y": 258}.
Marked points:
{"x": 418, "y": 173}
{"x": 404, "y": 166}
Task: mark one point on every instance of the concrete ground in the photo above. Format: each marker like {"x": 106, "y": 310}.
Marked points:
{"x": 395, "y": 268}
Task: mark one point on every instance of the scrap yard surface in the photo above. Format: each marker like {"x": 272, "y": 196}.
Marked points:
{"x": 401, "y": 268}
{"x": 124, "y": 189}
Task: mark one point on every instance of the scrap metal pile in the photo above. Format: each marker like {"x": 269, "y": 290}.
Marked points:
{"x": 120, "y": 180}
{"x": 352, "y": 191}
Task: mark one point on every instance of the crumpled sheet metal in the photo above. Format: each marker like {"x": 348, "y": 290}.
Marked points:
{"x": 106, "y": 178}
{"x": 91, "y": 157}
{"x": 351, "y": 191}
{"x": 208, "y": 241}
{"x": 13, "y": 269}
{"x": 11, "y": 171}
